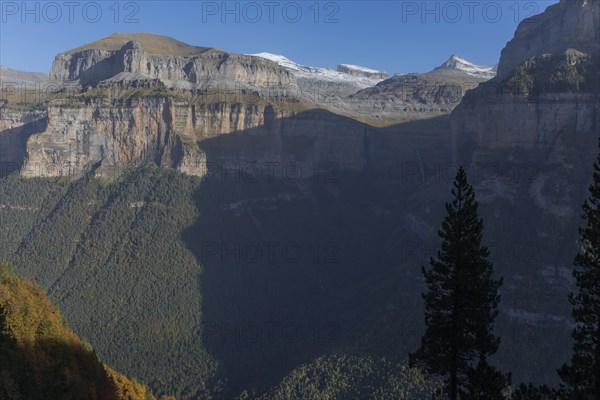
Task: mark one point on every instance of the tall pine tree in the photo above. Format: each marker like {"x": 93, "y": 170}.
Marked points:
{"x": 461, "y": 305}
{"x": 582, "y": 376}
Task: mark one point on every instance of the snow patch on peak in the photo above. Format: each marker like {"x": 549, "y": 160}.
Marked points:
{"x": 320, "y": 73}
{"x": 359, "y": 68}
{"x": 458, "y": 63}
{"x": 279, "y": 59}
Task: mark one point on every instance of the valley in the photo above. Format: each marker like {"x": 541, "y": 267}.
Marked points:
{"x": 222, "y": 225}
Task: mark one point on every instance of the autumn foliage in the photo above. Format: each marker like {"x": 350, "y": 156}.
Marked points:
{"x": 40, "y": 358}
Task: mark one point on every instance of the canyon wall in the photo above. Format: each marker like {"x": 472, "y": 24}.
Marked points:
{"x": 16, "y": 126}
{"x": 570, "y": 24}
{"x": 107, "y": 136}
{"x": 210, "y": 70}
{"x": 547, "y": 87}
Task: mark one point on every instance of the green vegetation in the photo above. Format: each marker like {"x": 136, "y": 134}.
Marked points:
{"x": 42, "y": 359}
{"x": 582, "y": 375}
{"x": 571, "y": 72}
{"x": 126, "y": 260}
{"x": 103, "y": 263}
{"x": 343, "y": 377}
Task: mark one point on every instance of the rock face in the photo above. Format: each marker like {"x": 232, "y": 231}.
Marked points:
{"x": 548, "y": 85}
{"x": 15, "y": 128}
{"x": 113, "y": 135}
{"x": 190, "y": 68}
{"x": 414, "y": 96}
{"x": 106, "y": 136}
{"x": 355, "y": 70}
{"x": 79, "y": 136}
{"x": 508, "y": 122}
{"x": 571, "y": 24}
{"x": 535, "y": 129}
{"x": 148, "y": 98}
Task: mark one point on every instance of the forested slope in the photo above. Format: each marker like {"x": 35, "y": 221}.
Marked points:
{"x": 42, "y": 359}
{"x": 210, "y": 287}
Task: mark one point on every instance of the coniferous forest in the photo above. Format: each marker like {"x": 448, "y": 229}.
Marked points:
{"x": 324, "y": 200}
{"x": 454, "y": 357}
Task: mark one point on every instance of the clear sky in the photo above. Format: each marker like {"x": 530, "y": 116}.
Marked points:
{"x": 396, "y": 36}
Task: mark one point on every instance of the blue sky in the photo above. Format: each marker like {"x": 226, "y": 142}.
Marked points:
{"x": 396, "y": 36}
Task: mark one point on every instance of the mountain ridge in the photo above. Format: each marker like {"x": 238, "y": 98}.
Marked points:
{"x": 152, "y": 43}
{"x": 458, "y": 63}
{"x": 13, "y": 76}
{"x": 322, "y": 73}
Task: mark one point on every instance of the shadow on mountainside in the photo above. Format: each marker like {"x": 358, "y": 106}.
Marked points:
{"x": 13, "y": 145}
{"x": 363, "y": 238}
{"x": 297, "y": 264}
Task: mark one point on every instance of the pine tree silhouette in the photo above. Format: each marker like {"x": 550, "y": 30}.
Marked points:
{"x": 461, "y": 304}
{"x": 582, "y": 376}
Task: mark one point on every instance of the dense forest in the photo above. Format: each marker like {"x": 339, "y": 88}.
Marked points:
{"x": 132, "y": 256}
{"x": 43, "y": 359}
{"x": 196, "y": 286}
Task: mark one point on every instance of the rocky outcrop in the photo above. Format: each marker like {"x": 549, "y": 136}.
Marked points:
{"x": 571, "y": 24}
{"x": 112, "y": 135}
{"x": 13, "y": 118}
{"x": 548, "y": 85}
{"x": 413, "y": 96}
{"x": 506, "y": 121}
{"x": 16, "y": 127}
{"x": 530, "y": 138}
{"x": 79, "y": 136}
{"x": 208, "y": 69}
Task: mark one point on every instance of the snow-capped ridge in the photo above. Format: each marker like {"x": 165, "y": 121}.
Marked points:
{"x": 320, "y": 73}
{"x": 360, "y": 68}
{"x": 458, "y": 63}
{"x": 357, "y": 70}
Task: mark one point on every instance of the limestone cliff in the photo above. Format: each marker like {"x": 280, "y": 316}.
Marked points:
{"x": 548, "y": 85}
{"x": 15, "y": 128}
{"x": 142, "y": 98}
{"x": 132, "y": 57}
{"x": 107, "y": 135}
{"x": 98, "y": 132}
{"x": 414, "y": 96}
{"x": 571, "y": 24}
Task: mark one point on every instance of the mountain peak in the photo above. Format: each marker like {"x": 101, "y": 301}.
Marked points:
{"x": 457, "y": 63}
